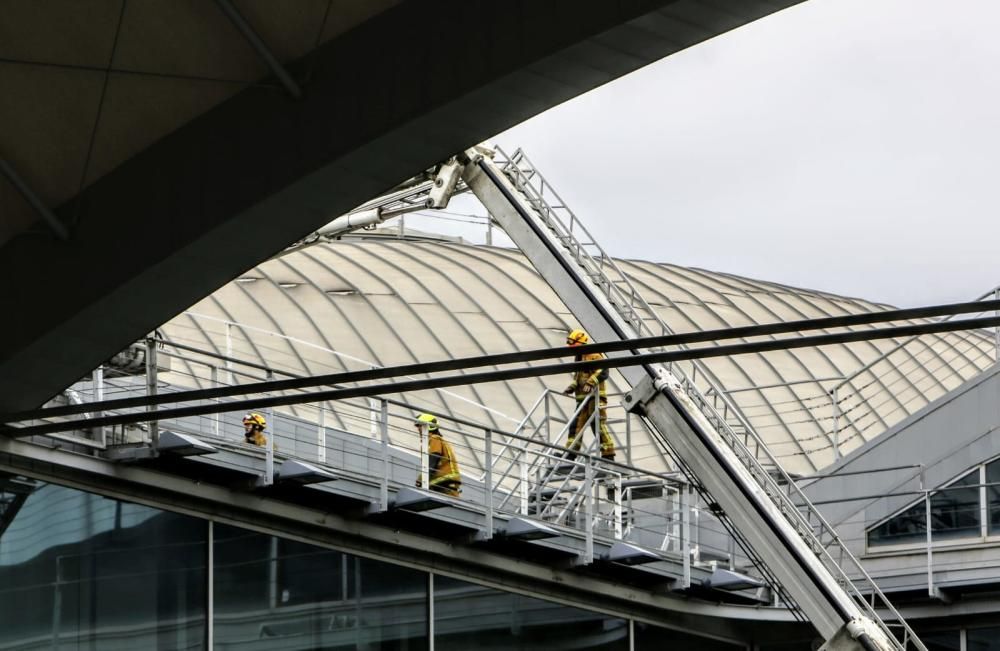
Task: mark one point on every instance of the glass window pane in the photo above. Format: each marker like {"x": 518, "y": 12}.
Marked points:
{"x": 941, "y": 640}
{"x": 955, "y": 510}
{"x": 281, "y": 592}
{"x": 907, "y": 527}
{"x": 993, "y": 496}
{"x": 655, "y": 638}
{"x": 983, "y": 639}
{"x": 955, "y": 513}
{"x": 84, "y": 571}
{"x": 469, "y": 616}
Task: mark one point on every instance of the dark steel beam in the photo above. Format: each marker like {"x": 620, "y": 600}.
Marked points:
{"x": 33, "y": 199}
{"x": 258, "y": 44}
{"x": 506, "y": 358}
{"x": 494, "y": 376}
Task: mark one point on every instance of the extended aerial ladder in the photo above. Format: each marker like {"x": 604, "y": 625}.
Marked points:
{"x": 718, "y": 448}
{"x": 784, "y": 530}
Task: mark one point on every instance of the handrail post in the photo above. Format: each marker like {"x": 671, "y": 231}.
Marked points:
{"x": 686, "y": 535}
{"x": 488, "y": 485}
{"x": 321, "y": 435}
{"x": 229, "y": 353}
{"x": 588, "y": 491}
{"x": 425, "y": 472}
{"x": 930, "y": 551}
{"x": 269, "y": 463}
{"x": 153, "y": 424}
{"x": 548, "y": 421}
{"x": 618, "y": 506}
{"x": 383, "y": 489}
{"x": 996, "y": 329}
{"x": 628, "y": 437}
{"x": 836, "y": 422}
{"x": 214, "y": 374}
{"x": 522, "y": 466}
{"x": 97, "y": 378}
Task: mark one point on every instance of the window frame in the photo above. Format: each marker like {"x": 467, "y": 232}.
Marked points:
{"x": 984, "y": 537}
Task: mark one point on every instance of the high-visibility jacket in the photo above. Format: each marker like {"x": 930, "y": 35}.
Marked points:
{"x": 256, "y": 437}
{"x": 442, "y": 463}
{"x": 594, "y": 377}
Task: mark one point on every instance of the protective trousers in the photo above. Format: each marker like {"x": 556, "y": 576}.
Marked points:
{"x": 575, "y": 439}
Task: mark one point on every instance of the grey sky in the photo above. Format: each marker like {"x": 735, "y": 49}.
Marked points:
{"x": 843, "y": 145}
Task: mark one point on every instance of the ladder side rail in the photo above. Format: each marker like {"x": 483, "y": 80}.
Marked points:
{"x": 518, "y": 431}
{"x": 611, "y": 290}
{"x": 766, "y": 485}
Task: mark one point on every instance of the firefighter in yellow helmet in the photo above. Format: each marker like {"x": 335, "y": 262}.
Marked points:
{"x": 254, "y": 425}
{"x": 443, "y": 467}
{"x": 583, "y": 385}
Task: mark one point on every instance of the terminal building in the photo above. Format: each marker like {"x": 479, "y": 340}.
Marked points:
{"x": 98, "y": 551}
{"x": 792, "y": 469}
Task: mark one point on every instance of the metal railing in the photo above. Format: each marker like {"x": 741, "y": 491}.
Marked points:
{"x": 572, "y": 490}
{"x": 729, "y": 422}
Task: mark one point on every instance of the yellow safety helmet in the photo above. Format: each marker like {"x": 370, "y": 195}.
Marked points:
{"x": 255, "y": 419}
{"x": 429, "y": 420}
{"x": 577, "y": 338}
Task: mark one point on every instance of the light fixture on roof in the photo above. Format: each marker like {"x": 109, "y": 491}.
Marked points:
{"x": 524, "y": 529}
{"x": 729, "y": 580}
{"x": 341, "y": 292}
{"x": 288, "y": 285}
{"x": 247, "y": 279}
{"x": 182, "y": 445}
{"x": 412, "y": 499}
{"x": 300, "y": 472}
{"x": 628, "y": 554}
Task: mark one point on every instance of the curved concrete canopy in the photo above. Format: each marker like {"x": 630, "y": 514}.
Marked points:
{"x": 171, "y": 159}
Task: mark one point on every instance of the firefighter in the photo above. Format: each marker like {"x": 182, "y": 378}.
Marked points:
{"x": 254, "y": 425}
{"x": 583, "y": 386}
{"x": 442, "y": 465}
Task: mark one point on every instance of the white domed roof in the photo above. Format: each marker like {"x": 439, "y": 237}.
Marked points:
{"x": 359, "y": 302}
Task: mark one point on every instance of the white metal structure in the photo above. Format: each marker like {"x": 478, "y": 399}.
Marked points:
{"x": 778, "y": 522}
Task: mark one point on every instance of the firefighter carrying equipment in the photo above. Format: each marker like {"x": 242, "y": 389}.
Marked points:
{"x": 429, "y": 420}
{"x": 253, "y": 429}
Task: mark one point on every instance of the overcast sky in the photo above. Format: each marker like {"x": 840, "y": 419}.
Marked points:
{"x": 844, "y": 145}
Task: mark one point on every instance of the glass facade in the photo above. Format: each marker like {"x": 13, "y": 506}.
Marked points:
{"x": 993, "y": 497}
{"x": 942, "y": 640}
{"x": 79, "y": 571}
{"x": 982, "y": 639}
{"x": 469, "y": 616}
{"x": 290, "y": 595}
{"x": 955, "y": 513}
{"x": 654, "y": 638}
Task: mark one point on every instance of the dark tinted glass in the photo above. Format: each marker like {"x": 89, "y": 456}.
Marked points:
{"x": 655, "y": 638}
{"x": 941, "y": 640}
{"x": 993, "y": 496}
{"x": 282, "y": 593}
{"x": 983, "y": 639}
{"x": 955, "y": 510}
{"x": 910, "y": 526}
{"x": 82, "y": 571}
{"x": 468, "y": 616}
{"x": 955, "y": 513}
